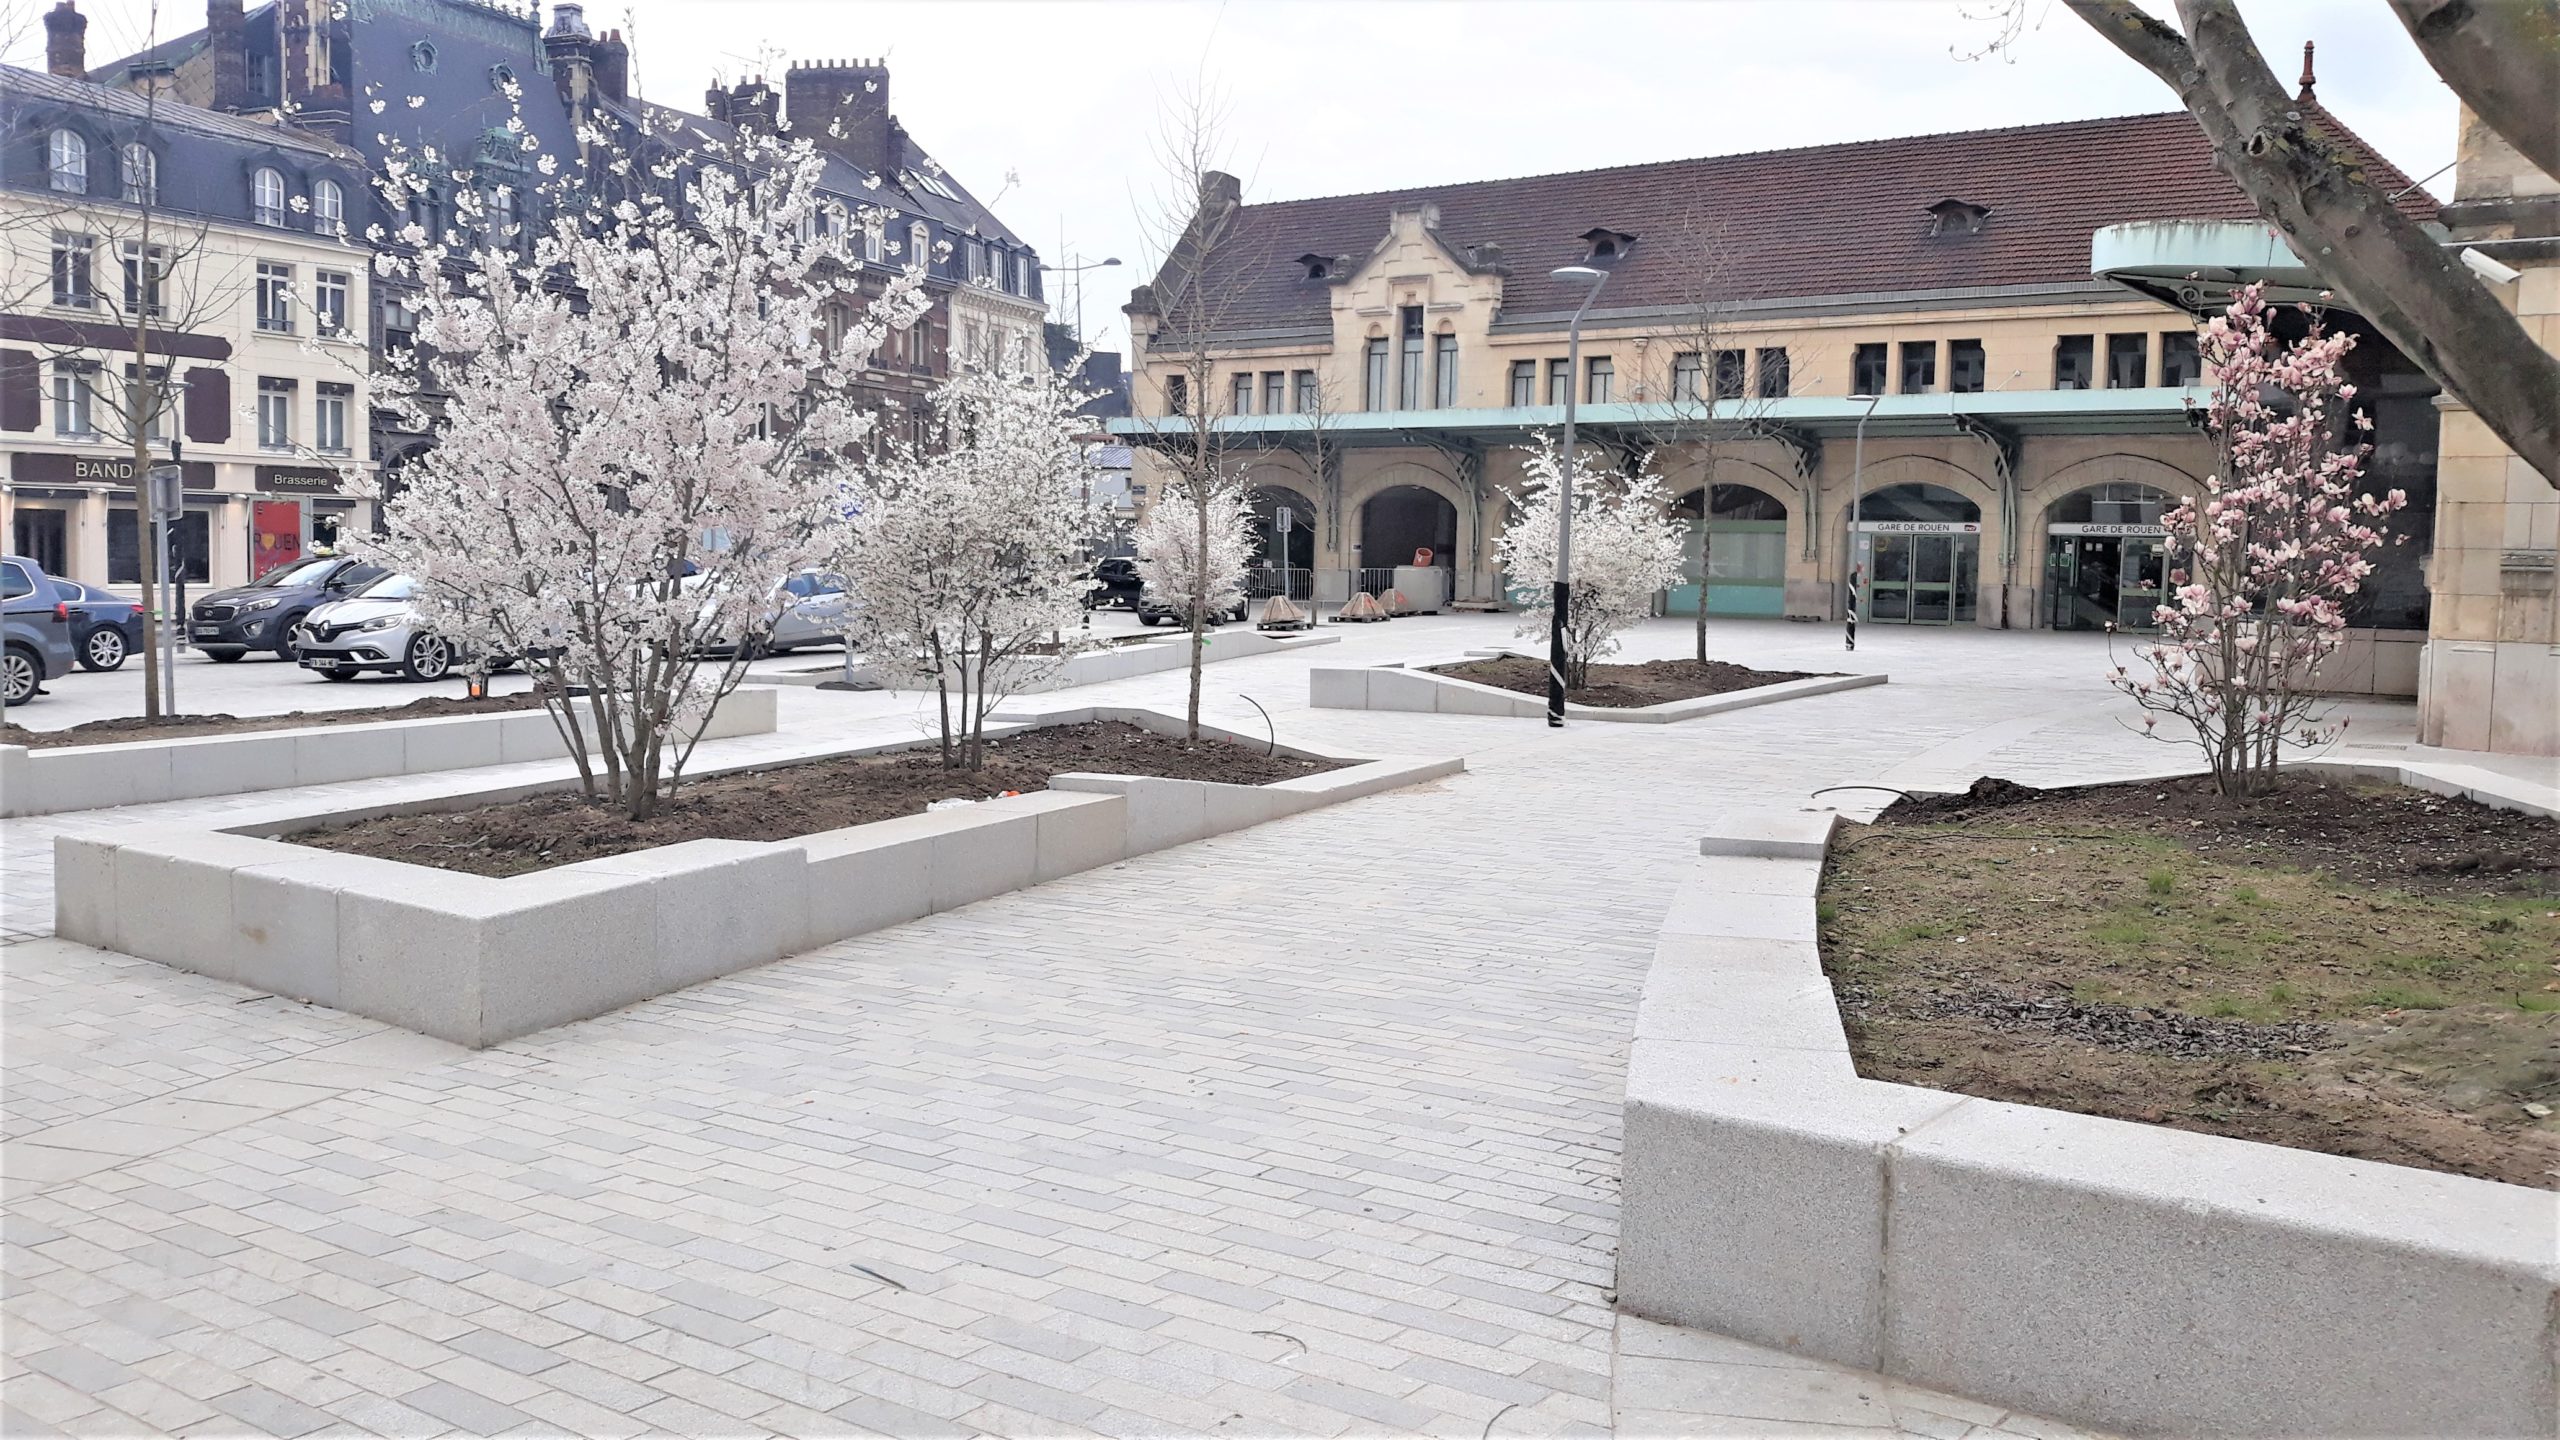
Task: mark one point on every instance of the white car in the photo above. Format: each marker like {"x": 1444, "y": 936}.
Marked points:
{"x": 810, "y": 607}
{"x": 377, "y": 628}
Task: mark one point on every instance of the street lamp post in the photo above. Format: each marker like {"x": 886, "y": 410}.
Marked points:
{"x": 1857, "y": 493}
{"x": 1593, "y": 279}
{"x": 1078, "y": 272}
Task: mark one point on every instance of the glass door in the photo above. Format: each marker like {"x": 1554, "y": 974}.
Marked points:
{"x": 2138, "y": 588}
{"x": 1889, "y": 591}
{"x": 1933, "y": 579}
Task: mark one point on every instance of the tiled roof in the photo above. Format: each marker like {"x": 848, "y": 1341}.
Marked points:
{"x": 1825, "y": 220}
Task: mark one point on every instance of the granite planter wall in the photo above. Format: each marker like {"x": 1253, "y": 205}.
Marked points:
{"x": 2124, "y": 1276}
{"x": 1122, "y": 662}
{"x": 89, "y": 777}
{"x": 1413, "y": 687}
{"x": 477, "y": 960}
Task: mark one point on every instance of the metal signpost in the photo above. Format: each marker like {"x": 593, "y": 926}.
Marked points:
{"x": 168, "y": 502}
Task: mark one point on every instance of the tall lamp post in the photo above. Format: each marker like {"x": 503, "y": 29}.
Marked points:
{"x": 1592, "y": 279}
{"x": 1857, "y": 493}
{"x": 1078, "y": 272}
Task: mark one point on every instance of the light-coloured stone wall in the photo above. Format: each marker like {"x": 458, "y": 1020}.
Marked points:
{"x": 2491, "y": 676}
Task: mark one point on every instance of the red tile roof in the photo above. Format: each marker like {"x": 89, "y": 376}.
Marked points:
{"x": 1818, "y": 221}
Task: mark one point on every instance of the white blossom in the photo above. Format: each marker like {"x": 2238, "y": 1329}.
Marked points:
{"x": 1626, "y": 550}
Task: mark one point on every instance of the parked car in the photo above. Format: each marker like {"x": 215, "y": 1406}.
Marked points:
{"x": 35, "y": 630}
{"x": 810, "y": 607}
{"x": 105, "y": 626}
{"x": 377, "y": 628}
{"x": 1119, "y": 585}
{"x": 262, "y": 614}
{"x": 1154, "y": 611}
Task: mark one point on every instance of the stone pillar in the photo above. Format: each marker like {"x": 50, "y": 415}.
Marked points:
{"x": 2490, "y": 678}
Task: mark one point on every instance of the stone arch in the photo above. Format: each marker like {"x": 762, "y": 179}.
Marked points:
{"x": 2148, "y": 470}
{"x": 1273, "y": 487}
{"x": 1895, "y": 470}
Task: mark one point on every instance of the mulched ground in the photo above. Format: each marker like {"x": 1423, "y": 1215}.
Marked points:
{"x": 2363, "y": 970}
{"x": 173, "y": 727}
{"x": 1624, "y": 687}
{"x": 789, "y": 801}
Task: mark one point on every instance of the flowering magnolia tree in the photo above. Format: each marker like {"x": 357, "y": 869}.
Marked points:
{"x": 1626, "y": 550}
{"x": 644, "y": 414}
{"x": 2263, "y": 562}
{"x": 1193, "y": 551}
{"x": 971, "y": 555}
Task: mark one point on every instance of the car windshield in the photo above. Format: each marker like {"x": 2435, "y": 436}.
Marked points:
{"x": 307, "y": 572}
{"x": 389, "y": 587}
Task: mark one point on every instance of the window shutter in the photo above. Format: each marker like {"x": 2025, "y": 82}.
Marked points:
{"x": 21, "y": 390}
{"x": 208, "y": 413}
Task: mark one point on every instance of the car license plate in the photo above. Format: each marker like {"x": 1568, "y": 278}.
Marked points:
{"x": 207, "y": 632}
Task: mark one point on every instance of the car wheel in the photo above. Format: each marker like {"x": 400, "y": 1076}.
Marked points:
{"x": 284, "y": 636}
{"x": 1148, "y": 620}
{"x": 429, "y": 658}
{"x": 102, "y": 649}
{"x": 20, "y": 674}
{"x": 337, "y": 673}
{"x": 223, "y": 654}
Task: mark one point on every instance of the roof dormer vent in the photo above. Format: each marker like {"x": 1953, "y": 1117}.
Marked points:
{"x": 1605, "y": 245}
{"x": 1957, "y": 217}
{"x": 1318, "y": 267}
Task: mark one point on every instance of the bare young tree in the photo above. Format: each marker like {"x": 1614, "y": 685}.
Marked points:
{"x": 1202, "y": 261}
{"x": 164, "y": 277}
{"x": 2501, "y": 59}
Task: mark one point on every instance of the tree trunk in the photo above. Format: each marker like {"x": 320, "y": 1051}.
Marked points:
{"x": 1199, "y": 614}
{"x": 2412, "y": 289}
{"x": 1704, "y": 540}
{"x": 2503, "y": 59}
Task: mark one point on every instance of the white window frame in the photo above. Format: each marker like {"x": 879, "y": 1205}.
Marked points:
{"x": 72, "y": 396}
{"x": 874, "y": 241}
{"x": 66, "y": 161}
{"x": 154, "y": 421}
{"x": 328, "y": 208}
{"x": 329, "y": 420}
{"x": 920, "y": 244}
{"x": 140, "y": 174}
{"x": 83, "y": 269}
{"x": 267, "y": 203}
{"x": 328, "y": 318}
{"x": 146, "y": 278}
{"x": 275, "y": 416}
{"x": 274, "y": 298}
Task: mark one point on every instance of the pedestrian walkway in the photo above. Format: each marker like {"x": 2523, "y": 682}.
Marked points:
{"x": 1307, "y": 1129}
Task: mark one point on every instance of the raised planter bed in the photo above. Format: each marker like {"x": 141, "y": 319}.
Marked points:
{"x": 1416, "y": 687}
{"x": 2108, "y": 1273}
{"x": 1120, "y": 661}
{"x": 477, "y": 960}
{"x": 90, "y": 777}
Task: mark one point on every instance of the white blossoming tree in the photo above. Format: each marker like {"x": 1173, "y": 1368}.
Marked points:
{"x": 644, "y": 411}
{"x": 1193, "y": 554}
{"x": 1626, "y": 550}
{"x": 2263, "y": 562}
{"x": 970, "y": 553}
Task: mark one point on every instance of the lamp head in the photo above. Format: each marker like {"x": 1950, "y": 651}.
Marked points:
{"x": 1578, "y": 274}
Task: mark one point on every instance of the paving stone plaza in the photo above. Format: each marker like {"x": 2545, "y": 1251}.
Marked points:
{"x": 1307, "y": 1129}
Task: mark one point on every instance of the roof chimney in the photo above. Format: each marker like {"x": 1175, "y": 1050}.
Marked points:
{"x": 612, "y": 61}
{"x": 2308, "y": 79}
{"x": 226, "y": 38}
{"x": 842, "y": 107}
{"x": 570, "y": 49}
{"x": 66, "y": 47}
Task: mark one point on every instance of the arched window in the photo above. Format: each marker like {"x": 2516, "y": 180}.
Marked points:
{"x": 266, "y": 196}
{"x": 67, "y": 158}
{"x": 328, "y": 208}
{"x": 141, "y": 174}
{"x": 872, "y": 237}
{"x": 920, "y": 245}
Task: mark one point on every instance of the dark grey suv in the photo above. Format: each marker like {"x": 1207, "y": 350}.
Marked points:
{"x": 36, "y": 645}
{"x": 260, "y": 615}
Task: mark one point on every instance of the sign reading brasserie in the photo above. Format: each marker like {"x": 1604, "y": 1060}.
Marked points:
{"x": 291, "y": 480}
{"x": 45, "y": 467}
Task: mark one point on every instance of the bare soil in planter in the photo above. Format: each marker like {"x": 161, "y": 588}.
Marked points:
{"x": 2363, "y": 970}
{"x": 788, "y": 801}
{"x": 1624, "y": 687}
{"x": 125, "y": 728}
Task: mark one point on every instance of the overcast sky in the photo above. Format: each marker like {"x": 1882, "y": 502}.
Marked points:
{"x": 1323, "y": 97}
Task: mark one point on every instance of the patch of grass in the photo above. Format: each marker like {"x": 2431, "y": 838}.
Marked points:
{"x": 2123, "y": 930}
{"x": 2537, "y": 1003}
{"x": 2161, "y": 882}
{"x": 2401, "y": 997}
{"x": 2428, "y": 965}
{"x": 1825, "y": 912}
{"x": 1924, "y": 930}
{"x": 2245, "y": 895}
{"x": 2284, "y": 992}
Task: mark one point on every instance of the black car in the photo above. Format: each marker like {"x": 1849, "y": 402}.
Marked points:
{"x": 1152, "y": 611}
{"x": 105, "y": 626}
{"x": 260, "y": 615}
{"x": 1119, "y": 586}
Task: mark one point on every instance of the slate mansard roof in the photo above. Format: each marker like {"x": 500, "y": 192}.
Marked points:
{"x": 1822, "y": 221}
